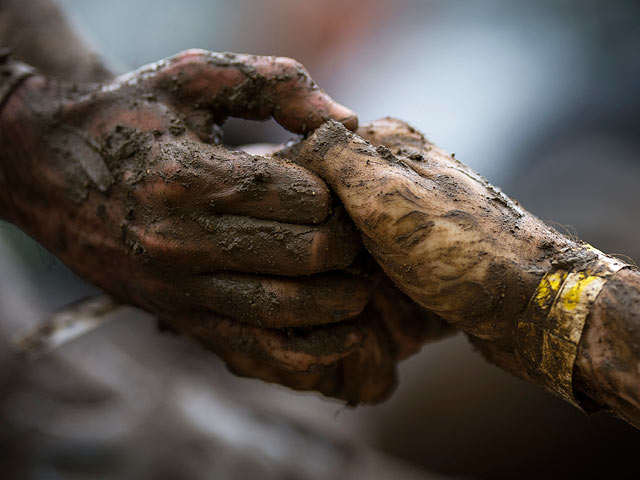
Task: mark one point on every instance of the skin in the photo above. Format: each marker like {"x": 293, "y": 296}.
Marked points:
{"x": 250, "y": 310}
{"x": 394, "y": 327}
{"x": 244, "y": 253}
{"x": 437, "y": 229}
{"x": 122, "y": 182}
{"x": 465, "y": 251}
{"x": 608, "y": 364}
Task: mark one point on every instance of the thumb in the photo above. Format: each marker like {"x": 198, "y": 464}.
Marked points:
{"x": 394, "y": 201}
{"x": 377, "y": 188}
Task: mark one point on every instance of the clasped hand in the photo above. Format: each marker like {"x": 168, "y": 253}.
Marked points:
{"x": 128, "y": 184}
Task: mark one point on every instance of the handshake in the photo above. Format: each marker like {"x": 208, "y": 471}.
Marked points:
{"x": 318, "y": 265}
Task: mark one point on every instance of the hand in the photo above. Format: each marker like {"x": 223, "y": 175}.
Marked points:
{"x": 116, "y": 180}
{"x": 448, "y": 239}
{"x": 550, "y": 309}
{"x": 393, "y": 326}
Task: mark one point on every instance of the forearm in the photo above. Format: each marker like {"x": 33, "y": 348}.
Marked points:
{"x": 38, "y": 34}
{"x": 606, "y": 371}
{"x": 608, "y": 364}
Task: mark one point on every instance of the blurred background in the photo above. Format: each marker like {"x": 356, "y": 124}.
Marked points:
{"x": 542, "y": 98}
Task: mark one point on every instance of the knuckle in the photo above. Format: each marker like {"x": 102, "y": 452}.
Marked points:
{"x": 289, "y": 66}
{"x": 150, "y": 243}
{"x": 172, "y": 166}
{"x": 161, "y": 192}
{"x": 164, "y": 183}
{"x": 156, "y": 246}
{"x": 169, "y": 170}
{"x": 186, "y": 62}
{"x": 192, "y": 55}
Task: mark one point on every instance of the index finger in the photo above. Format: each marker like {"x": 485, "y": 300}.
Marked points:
{"x": 247, "y": 86}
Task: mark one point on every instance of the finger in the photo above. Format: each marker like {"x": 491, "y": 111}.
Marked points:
{"x": 290, "y": 350}
{"x": 430, "y": 224}
{"x": 245, "y": 366}
{"x": 391, "y": 204}
{"x": 225, "y": 242}
{"x": 409, "y": 325}
{"x": 368, "y": 375}
{"x": 211, "y": 179}
{"x": 394, "y": 134}
{"x": 280, "y": 302}
{"x": 246, "y": 86}
{"x": 370, "y": 372}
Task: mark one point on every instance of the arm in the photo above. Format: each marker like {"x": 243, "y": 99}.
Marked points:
{"x": 608, "y": 363}
{"x": 38, "y": 33}
{"x": 462, "y": 249}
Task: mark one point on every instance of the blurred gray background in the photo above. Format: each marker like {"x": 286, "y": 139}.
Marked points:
{"x": 542, "y": 98}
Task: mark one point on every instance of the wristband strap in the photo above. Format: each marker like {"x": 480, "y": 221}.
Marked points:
{"x": 12, "y": 73}
{"x": 549, "y": 333}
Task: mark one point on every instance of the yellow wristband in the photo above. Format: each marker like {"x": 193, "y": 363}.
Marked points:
{"x": 549, "y": 333}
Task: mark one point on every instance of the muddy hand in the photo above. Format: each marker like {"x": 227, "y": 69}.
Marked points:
{"x": 392, "y": 326}
{"x": 207, "y": 87}
{"x": 446, "y": 237}
{"x": 115, "y": 180}
{"x": 550, "y": 309}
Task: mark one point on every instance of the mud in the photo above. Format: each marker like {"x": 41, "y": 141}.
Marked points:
{"x": 259, "y": 246}
{"x": 448, "y": 184}
{"x": 276, "y": 302}
{"x": 125, "y": 150}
